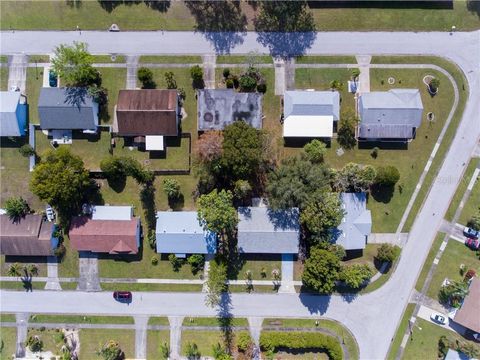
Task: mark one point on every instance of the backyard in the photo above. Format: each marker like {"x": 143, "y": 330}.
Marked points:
{"x": 453, "y": 256}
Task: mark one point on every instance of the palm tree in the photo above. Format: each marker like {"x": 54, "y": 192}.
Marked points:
{"x": 454, "y": 292}
{"x": 31, "y": 269}
{"x": 14, "y": 270}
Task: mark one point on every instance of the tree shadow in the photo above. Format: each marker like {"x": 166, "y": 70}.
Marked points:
{"x": 158, "y": 5}
{"x": 225, "y": 319}
{"x": 177, "y": 203}
{"x": 391, "y": 4}
{"x": 118, "y": 183}
{"x": 382, "y": 194}
{"x": 77, "y": 4}
{"x": 286, "y": 45}
{"x": 316, "y": 304}
{"x": 474, "y": 6}
{"x": 221, "y": 22}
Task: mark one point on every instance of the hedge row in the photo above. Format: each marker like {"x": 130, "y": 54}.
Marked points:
{"x": 272, "y": 340}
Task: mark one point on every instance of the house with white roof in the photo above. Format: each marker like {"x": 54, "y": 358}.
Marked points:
{"x": 392, "y": 115}
{"x": 356, "y": 225}
{"x": 310, "y": 114}
{"x": 13, "y": 114}
{"x": 180, "y": 233}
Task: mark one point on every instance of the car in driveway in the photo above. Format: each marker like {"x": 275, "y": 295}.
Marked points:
{"x": 473, "y": 244}
{"x": 122, "y": 296}
{"x": 471, "y": 233}
{"x": 438, "y": 318}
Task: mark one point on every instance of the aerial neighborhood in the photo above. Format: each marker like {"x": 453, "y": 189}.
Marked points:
{"x": 239, "y": 180}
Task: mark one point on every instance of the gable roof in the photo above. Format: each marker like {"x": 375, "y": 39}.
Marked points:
{"x": 67, "y": 108}
{"x": 311, "y": 103}
{"x": 180, "y": 232}
{"x": 468, "y": 314}
{"x": 218, "y": 108}
{"x": 29, "y": 236}
{"x": 263, "y": 230}
{"x": 147, "y": 112}
{"x": 401, "y": 107}
{"x": 356, "y": 224}
{"x": 385, "y": 131}
{"x": 9, "y": 102}
{"x": 104, "y": 236}
{"x": 112, "y": 212}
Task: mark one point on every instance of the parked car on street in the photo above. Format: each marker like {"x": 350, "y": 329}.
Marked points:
{"x": 122, "y": 296}
{"x": 473, "y": 244}
{"x": 471, "y": 233}
{"x": 438, "y": 318}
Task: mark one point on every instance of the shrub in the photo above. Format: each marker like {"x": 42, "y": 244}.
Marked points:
{"x": 242, "y": 189}
{"x": 182, "y": 94}
{"x": 434, "y": 84}
{"x": 263, "y": 273}
{"x": 196, "y": 262}
{"x": 176, "y": 262}
{"x": 262, "y": 88}
{"x": 346, "y": 131}
{"x": 443, "y": 346}
{"x": 60, "y": 251}
{"x": 244, "y": 342}
{"x": 470, "y": 274}
{"x": 154, "y": 260}
{"x": 387, "y": 253}
{"x": 145, "y": 76}
{"x": 355, "y": 73}
{"x": 170, "y": 80}
{"x": 196, "y": 73}
{"x": 164, "y": 350}
{"x": 171, "y": 188}
{"x": 336, "y": 85}
{"x": 338, "y": 250}
{"x": 226, "y": 73}
{"x": 26, "y": 150}
{"x": 111, "y": 351}
{"x": 272, "y": 340}
{"x": 152, "y": 239}
{"x": 355, "y": 275}
{"x": 247, "y": 83}
{"x": 315, "y": 151}
{"x": 191, "y": 351}
{"x": 229, "y": 83}
{"x": 34, "y": 343}
{"x": 387, "y": 176}
{"x": 16, "y": 208}
{"x": 374, "y": 153}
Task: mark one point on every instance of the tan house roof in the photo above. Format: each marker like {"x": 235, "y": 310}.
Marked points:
{"x": 147, "y": 112}
{"x": 29, "y": 236}
{"x": 469, "y": 314}
{"x": 104, "y": 236}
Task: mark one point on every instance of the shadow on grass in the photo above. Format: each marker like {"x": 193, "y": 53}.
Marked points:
{"x": 147, "y": 197}
{"x": 110, "y": 5}
{"x": 177, "y": 203}
{"x": 391, "y": 4}
{"x": 382, "y": 194}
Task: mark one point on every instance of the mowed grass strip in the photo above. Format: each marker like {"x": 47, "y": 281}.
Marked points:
{"x": 428, "y": 262}
{"x": 472, "y": 206}
{"x": 169, "y": 59}
{"x": 402, "y": 327}
{"x": 214, "y": 321}
{"x": 80, "y": 319}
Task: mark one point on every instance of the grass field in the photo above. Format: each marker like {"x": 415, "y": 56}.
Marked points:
{"x": 8, "y": 337}
{"x": 79, "y": 319}
{"x": 423, "y": 344}
{"x": 113, "y": 79}
{"x": 212, "y": 321}
{"x": 107, "y": 59}
{"x": 7, "y": 317}
{"x": 158, "y": 320}
{"x": 152, "y": 287}
{"x": 397, "y": 340}
{"x": 340, "y": 59}
{"x": 428, "y": 262}
{"x": 472, "y": 206}
{"x": 91, "y": 340}
{"x": 255, "y": 264}
{"x": 68, "y": 267}
{"x": 3, "y": 78}
{"x": 39, "y": 261}
{"x": 155, "y": 338}
{"x": 168, "y": 59}
{"x": 52, "y": 339}
{"x": 454, "y": 255}
{"x": 32, "y": 90}
{"x": 138, "y": 16}
{"x": 236, "y": 59}
{"x": 205, "y": 340}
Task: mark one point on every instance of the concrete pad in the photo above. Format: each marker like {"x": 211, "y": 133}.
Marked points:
{"x": 209, "y": 62}
{"x": 425, "y": 312}
{"x": 132, "y": 65}
{"x": 389, "y": 238}
{"x": 279, "y": 65}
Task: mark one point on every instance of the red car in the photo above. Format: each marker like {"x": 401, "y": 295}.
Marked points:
{"x": 473, "y": 244}
{"x": 122, "y": 296}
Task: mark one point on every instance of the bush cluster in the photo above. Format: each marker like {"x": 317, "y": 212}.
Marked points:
{"x": 118, "y": 167}
{"x": 272, "y": 340}
{"x": 387, "y": 253}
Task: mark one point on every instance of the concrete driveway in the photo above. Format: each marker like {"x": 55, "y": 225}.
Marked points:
{"x": 88, "y": 269}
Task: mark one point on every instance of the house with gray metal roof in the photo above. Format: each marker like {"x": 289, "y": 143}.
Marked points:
{"x": 310, "y": 114}
{"x": 180, "y": 233}
{"x": 67, "y": 109}
{"x": 13, "y": 114}
{"x": 262, "y": 230}
{"x": 218, "y": 108}
{"x": 356, "y": 225}
{"x": 392, "y": 115}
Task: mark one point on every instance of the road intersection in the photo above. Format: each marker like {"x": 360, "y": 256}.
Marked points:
{"x": 372, "y": 318}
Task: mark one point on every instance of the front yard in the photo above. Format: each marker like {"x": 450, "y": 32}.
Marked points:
{"x": 156, "y": 338}
{"x": 8, "y": 337}
{"x": 92, "y": 340}
{"x": 472, "y": 205}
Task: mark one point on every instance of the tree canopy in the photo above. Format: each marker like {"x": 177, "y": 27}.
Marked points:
{"x": 216, "y": 282}
{"x": 387, "y": 176}
{"x": 216, "y": 212}
{"x": 315, "y": 150}
{"x": 209, "y": 146}
{"x": 355, "y": 275}
{"x": 355, "y": 178}
{"x": 346, "y": 131}
{"x": 321, "y": 271}
{"x": 322, "y": 212}
{"x": 60, "y": 180}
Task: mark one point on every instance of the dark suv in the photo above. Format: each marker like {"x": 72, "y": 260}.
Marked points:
{"x": 122, "y": 296}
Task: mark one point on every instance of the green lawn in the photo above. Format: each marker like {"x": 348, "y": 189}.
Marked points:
{"x": 453, "y": 256}
{"x": 7, "y": 317}
{"x": 155, "y": 338}
{"x": 168, "y": 59}
{"x": 402, "y": 327}
{"x": 8, "y": 337}
{"x": 340, "y": 59}
{"x": 68, "y": 267}
{"x": 74, "y": 319}
{"x": 212, "y": 321}
{"x": 20, "y": 286}
{"x": 32, "y": 90}
{"x": 205, "y": 340}
{"x": 236, "y": 59}
{"x": 461, "y": 189}
{"x": 3, "y": 59}
{"x": 52, "y": 339}
{"x": 423, "y": 344}
{"x": 92, "y": 148}
{"x": 39, "y": 58}
{"x": 91, "y": 340}
{"x": 3, "y": 78}
{"x": 6, "y": 261}
{"x": 152, "y": 287}
{"x": 256, "y": 264}
{"x": 114, "y": 80}
{"x": 428, "y": 262}
{"x": 254, "y": 289}
{"x": 472, "y": 206}
{"x": 138, "y": 16}
{"x": 107, "y": 59}
{"x": 158, "y": 320}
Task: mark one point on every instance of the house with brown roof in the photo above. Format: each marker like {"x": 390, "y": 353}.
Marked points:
{"x": 469, "y": 313}
{"x": 147, "y": 113}
{"x": 109, "y": 229}
{"x": 31, "y": 235}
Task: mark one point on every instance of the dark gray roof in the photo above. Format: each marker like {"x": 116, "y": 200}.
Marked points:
{"x": 67, "y": 108}
{"x": 262, "y": 230}
{"x": 311, "y": 103}
{"x": 385, "y": 131}
{"x": 180, "y": 232}
{"x": 393, "y": 107}
{"x": 356, "y": 225}
{"x": 218, "y": 108}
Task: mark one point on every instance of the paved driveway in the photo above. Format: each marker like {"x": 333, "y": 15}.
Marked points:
{"x": 88, "y": 269}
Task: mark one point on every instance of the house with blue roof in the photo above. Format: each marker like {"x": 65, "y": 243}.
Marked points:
{"x": 13, "y": 114}
{"x": 180, "y": 233}
{"x": 310, "y": 114}
{"x": 392, "y": 115}
{"x": 356, "y": 225}
{"x": 262, "y": 230}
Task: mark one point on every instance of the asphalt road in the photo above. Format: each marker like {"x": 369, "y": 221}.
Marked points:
{"x": 372, "y": 318}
